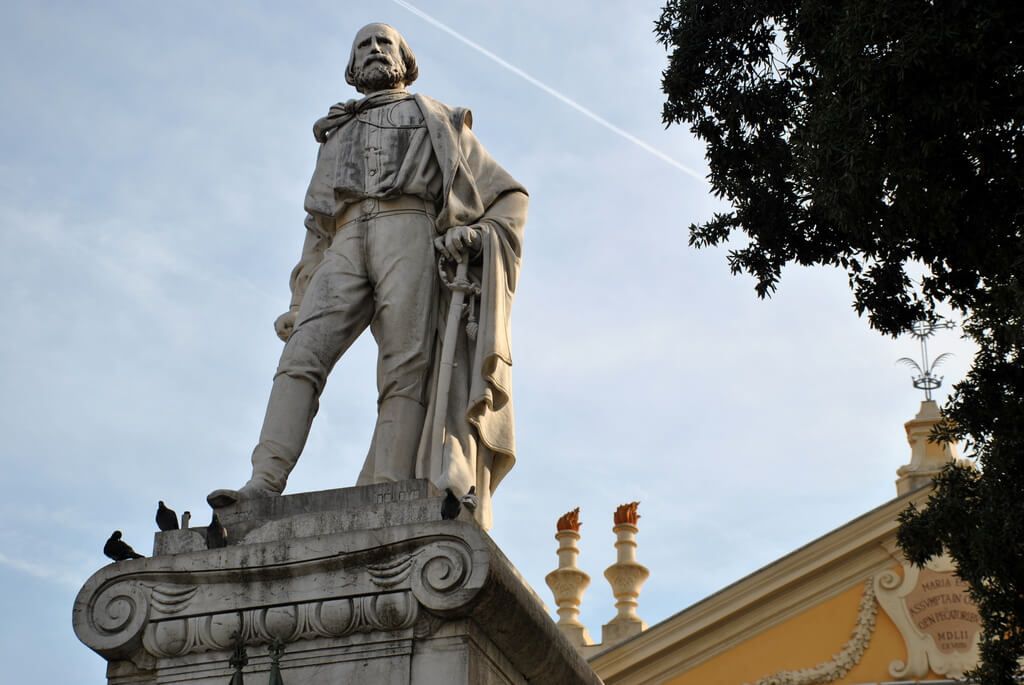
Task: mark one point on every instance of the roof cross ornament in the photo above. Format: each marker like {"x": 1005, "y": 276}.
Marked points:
{"x": 926, "y": 379}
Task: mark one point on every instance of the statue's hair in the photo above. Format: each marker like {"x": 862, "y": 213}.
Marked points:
{"x": 412, "y": 71}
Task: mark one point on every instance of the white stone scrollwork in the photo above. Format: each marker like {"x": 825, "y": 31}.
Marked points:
{"x": 843, "y": 661}
{"x": 393, "y": 572}
{"x": 935, "y": 615}
{"x": 170, "y": 599}
{"x": 433, "y": 572}
{"x": 115, "y": 618}
{"x": 172, "y": 614}
{"x": 442, "y": 568}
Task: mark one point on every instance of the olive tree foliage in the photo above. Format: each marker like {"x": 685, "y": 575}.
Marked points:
{"x": 886, "y": 139}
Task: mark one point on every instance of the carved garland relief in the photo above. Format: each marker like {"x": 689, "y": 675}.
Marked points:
{"x": 932, "y": 610}
{"x": 847, "y": 657}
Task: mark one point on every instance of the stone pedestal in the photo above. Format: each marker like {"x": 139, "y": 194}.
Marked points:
{"x": 361, "y": 585}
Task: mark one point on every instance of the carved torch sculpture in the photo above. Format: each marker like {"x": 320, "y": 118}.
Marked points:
{"x": 568, "y": 582}
{"x": 626, "y": 577}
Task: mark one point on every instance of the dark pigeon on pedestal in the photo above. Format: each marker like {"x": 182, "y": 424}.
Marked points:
{"x": 470, "y": 501}
{"x": 119, "y": 550}
{"x": 166, "y": 519}
{"x": 450, "y": 507}
{"x": 216, "y": 534}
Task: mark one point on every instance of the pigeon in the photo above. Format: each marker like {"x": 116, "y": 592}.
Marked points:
{"x": 119, "y": 550}
{"x": 450, "y": 507}
{"x": 216, "y": 534}
{"x": 470, "y": 500}
{"x": 166, "y": 519}
{"x": 186, "y": 518}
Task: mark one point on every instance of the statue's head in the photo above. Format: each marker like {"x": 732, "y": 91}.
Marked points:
{"x": 380, "y": 59}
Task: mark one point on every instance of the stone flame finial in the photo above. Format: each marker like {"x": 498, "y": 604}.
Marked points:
{"x": 568, "y": 582}
{"x": 626, "y": 513}
{"x": 569, "y": 521}
{"x": 626, "y": 577}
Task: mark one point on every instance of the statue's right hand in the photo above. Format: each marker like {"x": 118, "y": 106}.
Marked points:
{"x": 284, "y": 325}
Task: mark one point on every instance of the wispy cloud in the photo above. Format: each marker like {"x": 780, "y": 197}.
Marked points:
{"x": 590, "y": 114}
{"x": 137, "y": 260}
{"x": 47, "y": 572}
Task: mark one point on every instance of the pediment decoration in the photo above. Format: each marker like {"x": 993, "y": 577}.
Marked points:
{"x": 843, "y": 661}
{"x": 935, "y": 615}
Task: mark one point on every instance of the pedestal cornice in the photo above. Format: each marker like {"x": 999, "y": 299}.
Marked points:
{"x": 401, "y": 582}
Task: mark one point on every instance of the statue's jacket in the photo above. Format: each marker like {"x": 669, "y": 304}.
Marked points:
{"x": 480, "y": 442}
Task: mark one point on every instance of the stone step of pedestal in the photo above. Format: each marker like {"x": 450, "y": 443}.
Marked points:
{"x": 339, "y": 499}
{"x": 310, "y": 514}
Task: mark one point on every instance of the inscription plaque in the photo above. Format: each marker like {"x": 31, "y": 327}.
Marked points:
{"x": 936, "y": 616}
{"x": 941, "y": 608}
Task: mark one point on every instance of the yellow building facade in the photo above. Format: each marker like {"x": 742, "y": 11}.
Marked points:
{"x": 845, "y": 609}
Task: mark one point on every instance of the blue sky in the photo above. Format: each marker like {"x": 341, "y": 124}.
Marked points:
{"x": 155, "y": 157}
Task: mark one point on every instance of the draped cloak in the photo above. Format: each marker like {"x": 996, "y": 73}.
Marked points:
{"x": 479, "y": 444}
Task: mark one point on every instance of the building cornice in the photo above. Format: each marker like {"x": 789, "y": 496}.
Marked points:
{"x": 765, "y": 598}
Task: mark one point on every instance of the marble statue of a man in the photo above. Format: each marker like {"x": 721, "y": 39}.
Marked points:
{"x": 400, "y": 180}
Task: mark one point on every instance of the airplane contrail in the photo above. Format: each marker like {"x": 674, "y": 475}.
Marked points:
{"x": 551, "y": 91}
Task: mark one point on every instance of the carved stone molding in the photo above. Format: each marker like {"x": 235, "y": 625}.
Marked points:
{"x": 844, "y": 660}
{"x": 357, "y": 589}
{"x": 285, "y": 624}
{"x": 432, "y": 572}
{"x": 173, "y": 606}
{"x": 936, "y": 617}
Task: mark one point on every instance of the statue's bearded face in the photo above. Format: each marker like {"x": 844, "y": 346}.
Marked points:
{"x": 377, "y": 61}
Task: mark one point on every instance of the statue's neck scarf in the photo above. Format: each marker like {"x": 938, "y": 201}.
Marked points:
{"x": 342, "y": 112}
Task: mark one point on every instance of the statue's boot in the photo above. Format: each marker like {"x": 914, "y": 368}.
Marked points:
{"x": 396, "y": 440}
{"x": 293, "y": 404}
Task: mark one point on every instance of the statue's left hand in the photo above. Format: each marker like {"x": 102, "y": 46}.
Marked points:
{"x": 457, "y": 241}
{"x": 285, "y": 324}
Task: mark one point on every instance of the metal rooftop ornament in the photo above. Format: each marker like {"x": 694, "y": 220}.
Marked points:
{"x": 275, "y": 651}
{"x": 239, "y": 660}
{"x": 926, "y": 379}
